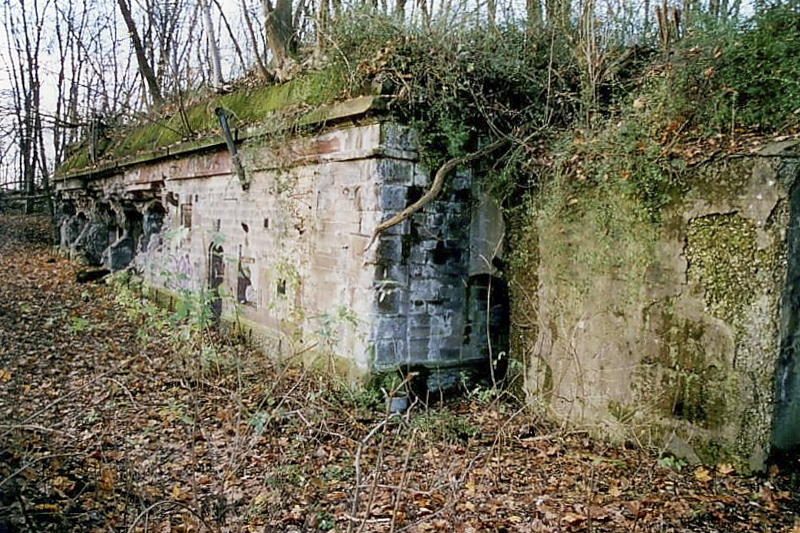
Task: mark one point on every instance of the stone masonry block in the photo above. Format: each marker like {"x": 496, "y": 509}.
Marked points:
{"x": 417, "y": 307}
{"x": 398, "y": 273}
{"x": 423, "y": 270}
{"x": 417, "y": 256}
{"x": 419, "y": 322}
{"x": 441, "y": 326}
{"x": 462, "y": 181}
{"x": 450, "y": 354}
{"x": 399, "y": 137}
{"x": 390, "y": 327}
{"x": 390, "y": 352}
{"x": 434, "y": 221}
{"x": 419, "y": 327}
{"x": 390, "y": 249}
{"x": 425, "y": 289}
{"x": 418, "y": 350}
{"x": 392, "y": 197}
{"x": 422, "y": 177}
{"x": 395, "y": 172}
{"x": 366, "y": 197}
{"x": 429, "y": 244}
{"x": 453, "y": 293}
{"x": 391, "y": 300}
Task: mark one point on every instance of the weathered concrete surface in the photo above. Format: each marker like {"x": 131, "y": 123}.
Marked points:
{"x": 670, "y": 334}
{"x": 288, "y": 254}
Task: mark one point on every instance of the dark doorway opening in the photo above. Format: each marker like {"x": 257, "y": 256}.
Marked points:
{"x": 786, "y": 414}
{"x": 216, "y": 277}
{"x": 488, "y": 325}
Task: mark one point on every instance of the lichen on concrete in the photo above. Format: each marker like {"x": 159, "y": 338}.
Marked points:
{"x": 724, "y": 261}
{"x": 664, "y": 330}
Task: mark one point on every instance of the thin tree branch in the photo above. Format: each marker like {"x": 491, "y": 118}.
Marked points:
{"x": 436, "y": 188}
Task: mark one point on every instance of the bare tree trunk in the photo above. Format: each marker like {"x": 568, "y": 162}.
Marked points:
{"x": 590, "y": 58}
{"x": 234, "y": 40}
{"x": 262, "y": 69}
{"x": 714, "y": 8}
{"x": 426, "y": 14}
{"x": 558, "y": 13}
{"x": 23, "y": 35}
{"x": 669, "y": 24}
{"x": 533, "y": 11}
{"x": 213, "y": 48}
{"x": 280, "y": 30}
{"x": 323, "y": 21}
{"x": 145, "y": 68}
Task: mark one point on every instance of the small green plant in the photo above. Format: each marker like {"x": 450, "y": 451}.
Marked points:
{"x": 176, "y": 410}
{"x": 259, "y": 421}
{"x": 92, "y": 416}
{"x": 330, "y": 322}
{"x": 360, "y": 398}
{"x": 287, "y": 474}
{"x": 77, "y": 324}
{"x": 338, "y": 473}
{"x": 484, "y": 395}
{"x": 327, "y": 521}
{"x": 672, "y": 463}
{"x": 390, "y": 383}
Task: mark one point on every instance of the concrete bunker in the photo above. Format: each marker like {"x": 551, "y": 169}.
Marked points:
{"x": 287, "y": 257}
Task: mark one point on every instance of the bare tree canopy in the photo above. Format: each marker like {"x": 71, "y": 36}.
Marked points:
{"x": 68, "y": 64}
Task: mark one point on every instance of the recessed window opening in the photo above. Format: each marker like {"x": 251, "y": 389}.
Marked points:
{"x": 186, "y": 215}
{"x": 244, "y": 285}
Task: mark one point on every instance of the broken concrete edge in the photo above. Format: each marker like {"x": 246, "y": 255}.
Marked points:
{"x": 316, "y": 119}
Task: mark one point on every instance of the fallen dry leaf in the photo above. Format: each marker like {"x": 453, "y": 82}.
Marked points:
{"x": 725, "y": 469}
{"x": 702, "y": 475}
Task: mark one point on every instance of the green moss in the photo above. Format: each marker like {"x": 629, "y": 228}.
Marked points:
{"x": 276, "y": 103}
{"x": 724, "y": 261}
{"x": 695, "y": 397}
{"x": 78, "y": 160}
{"x": 603, "y": 230}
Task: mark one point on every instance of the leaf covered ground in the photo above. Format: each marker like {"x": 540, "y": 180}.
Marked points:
{"x": 111, "y": 419}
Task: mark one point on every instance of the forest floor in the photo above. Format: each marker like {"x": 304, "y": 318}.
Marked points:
{"x": 112, "y": 420}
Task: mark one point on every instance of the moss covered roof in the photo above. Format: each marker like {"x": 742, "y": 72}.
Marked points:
{"x": 309, "y": 99}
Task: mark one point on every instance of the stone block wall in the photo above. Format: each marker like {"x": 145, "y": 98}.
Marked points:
{"x": 288, "y": 254}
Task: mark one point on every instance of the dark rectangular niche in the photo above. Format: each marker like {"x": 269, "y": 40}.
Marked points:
{"x": 243, "y": 282}
{"x": 186, "y": 215}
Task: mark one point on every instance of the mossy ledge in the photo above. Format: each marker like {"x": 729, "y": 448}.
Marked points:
{"x": 309, "y": 100}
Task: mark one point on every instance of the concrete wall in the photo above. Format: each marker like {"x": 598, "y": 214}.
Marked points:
{"x": 669, "y": 333}
{"x": 288, "y": 254}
